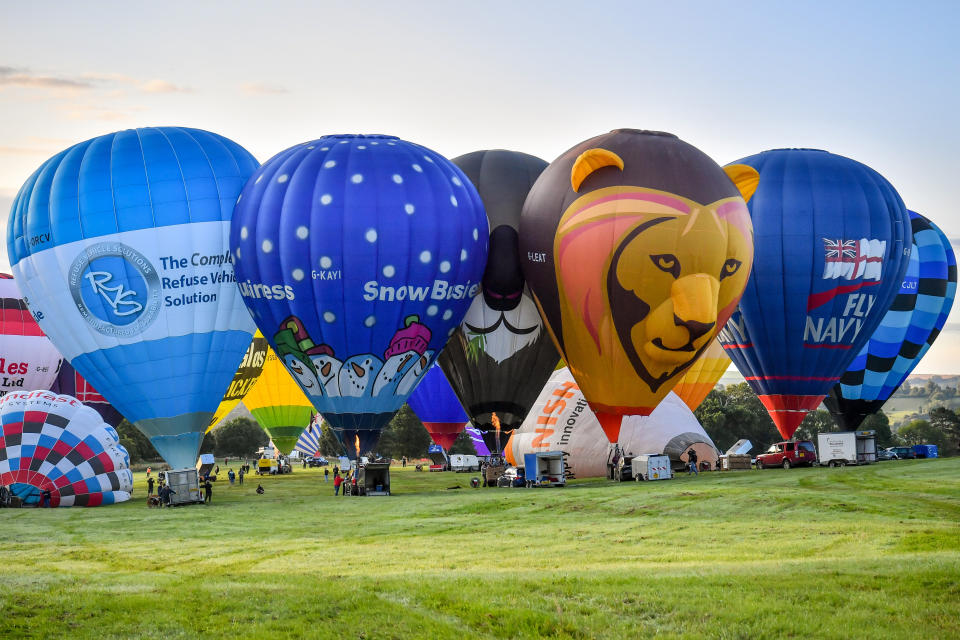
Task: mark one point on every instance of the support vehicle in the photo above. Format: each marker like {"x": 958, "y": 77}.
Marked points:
{"x": 788, "y": 454}
{"x": 650, "y": 466}
{"x": 847, "y": 447}
{"x": 544, "y": 469}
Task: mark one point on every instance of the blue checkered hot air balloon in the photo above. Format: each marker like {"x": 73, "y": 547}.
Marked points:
{"x": 908, "y": 329}
{"x": 832, "y": 243}
{"x": 358, "y": 257}
{"x": 119, "y": 245}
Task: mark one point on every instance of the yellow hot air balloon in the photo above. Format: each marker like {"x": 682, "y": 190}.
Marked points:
{"x": 702, "y": 376}
{"x": 243, "y": 380}
{"x": 279, "y": 405}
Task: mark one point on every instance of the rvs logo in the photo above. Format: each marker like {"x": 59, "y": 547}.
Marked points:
{"x": 116, "y": 289}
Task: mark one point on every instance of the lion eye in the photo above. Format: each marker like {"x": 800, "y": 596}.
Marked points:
{"x": 729, "y": 268}
{"x": 667, "y": 262}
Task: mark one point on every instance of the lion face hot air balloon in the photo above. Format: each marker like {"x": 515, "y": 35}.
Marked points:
{"x": 907, "y": 330}
{"x": 697, "y": 382}
{"x": 279, "y": 405}
{"x": 358, "y": 256}
{"x": 501, "y": 355}
{"x": 833, "y": 244}
{"x": 119, "y": 245}
{"x": 52, "y": 442}
{"x": 243, "y": 380}
{"x": 437, "y": 406}
{"x": 637, "y": 247}
{"x": 28, "y": 360}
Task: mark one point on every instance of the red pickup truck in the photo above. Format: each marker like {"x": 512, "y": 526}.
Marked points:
{"x": 788, "y": 454}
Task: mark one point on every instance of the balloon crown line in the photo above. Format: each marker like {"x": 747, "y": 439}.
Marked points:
{"x": 645, "y": 132}
{"x": 361, "y": 136}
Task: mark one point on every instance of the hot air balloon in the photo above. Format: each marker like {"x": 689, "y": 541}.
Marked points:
{"x": 119, "y": 245}
{"x": 637, "y": 247}
{"x": 437, "y": 406}
{"x": 279, "y": 405}
{"x": 909, "y": 327}
{"x": 833, "y": 244}
{"x": 243, "y": 380}
{"x": 476, "y": 439}
{"x": 561, "y": 420}
{"x": 71, "y": 383}
{"x": 702, "y": 376}
{"x": 501, "y": 355}
{"x": 52, "y": 442}
{"x": 28, "y": 360}
{"x": 358, "y": 256}
{"x": 309, "y": 441}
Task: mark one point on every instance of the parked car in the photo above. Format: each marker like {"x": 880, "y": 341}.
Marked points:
{"x": 885, "y": 454}
{"x": 788, "y": 454}
{"x": 317, "y": 462}
{"x": 903, "y": 453}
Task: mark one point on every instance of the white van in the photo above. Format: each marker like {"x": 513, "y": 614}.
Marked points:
{"x": 461, "y": 462}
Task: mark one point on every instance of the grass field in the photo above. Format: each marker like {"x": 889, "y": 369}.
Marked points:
{"x": 830, "y": 553}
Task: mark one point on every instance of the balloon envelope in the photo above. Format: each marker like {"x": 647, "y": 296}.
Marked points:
{"x": 561, "y": 420}
{"x": 279, "y": 405}
{"x": 907, "y": 330}
{"x": 120, "y": 247}
{"x": 28, "y": 360}
{"x": 702, "y": 376}
{"x": 71, "y": 383}
{"x": 309, "y": 441}
{"x": 243, "y": 380}
{"x": 637, "y": 247}
{"x": 52, "y": 442}
{"x": 358, "y": 256}
{"x": 501, "y": 354}
{"x": 438, "y": 408}
{"x": 833, "y": 243}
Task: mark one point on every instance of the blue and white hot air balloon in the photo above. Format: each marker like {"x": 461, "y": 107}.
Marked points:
{"x": 120, "y": 246}
{"x": 907, "y": 331}
{"x": 358, "y": 257}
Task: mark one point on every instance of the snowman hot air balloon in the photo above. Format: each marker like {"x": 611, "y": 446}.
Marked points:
{"x": 637, "y": 247}
{"x": 358, "y": 257}
{"x": 119, "y": 245}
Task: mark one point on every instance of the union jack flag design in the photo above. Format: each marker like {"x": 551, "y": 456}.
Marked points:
{"x": 853, "y": 259}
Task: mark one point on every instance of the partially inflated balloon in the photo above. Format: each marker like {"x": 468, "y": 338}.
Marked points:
{"x": 637, "y": 247}
{"x": 71, "y": 383}
{"x": 279, "y": 405}
{"x": 833, "y": 244}
{"x": 309, "y": 441}
{"x": 358, "y": 256}
{"x": 52, "y": 442}
{"x": 479, "y": 444}
{"x": 119, "y": 245}
{"x": 501, "y": 355}
{"x": 907, "y": 330}
{"x": 243, "y": 380}
{"x": 28, "y": 360}
{"x": 437, "y": 406}
{"x": 703, "y": 375}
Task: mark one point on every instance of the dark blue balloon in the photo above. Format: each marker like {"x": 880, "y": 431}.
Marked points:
{"x": 437, "y": 406}
{"x": 832, "y": 244}
{"x": 358, "y": 257}
{"x": 908, "y": 329}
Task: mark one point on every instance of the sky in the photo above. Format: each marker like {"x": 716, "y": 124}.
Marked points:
{"x": 878, "y": 82}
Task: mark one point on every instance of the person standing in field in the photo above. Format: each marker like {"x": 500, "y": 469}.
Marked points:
{"x": 149, "y": 486}
{"x": 207, "y": 490}
{"x": 240, "y": 475}
{"x": 692, "y": 460}
{"x": 337, "y": 481}
{"x": 326, "y": 475}
{"x": 231, "y": 476}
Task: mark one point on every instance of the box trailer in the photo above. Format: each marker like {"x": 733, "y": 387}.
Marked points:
{"x": 374, "y": 479}
{"x": 205, "y": 465}
{"x": 186, "y": 486}
{"x": 462, "y": 462}
{"x": 544, "y": 469}
{"x": 650, "y": 466}
{"x": 438, "y": 457}
{"x": 925, "y": 450}
{"x": 847, "y": 447}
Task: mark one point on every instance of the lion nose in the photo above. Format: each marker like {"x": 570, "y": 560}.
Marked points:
{"x": 694, "y": 300}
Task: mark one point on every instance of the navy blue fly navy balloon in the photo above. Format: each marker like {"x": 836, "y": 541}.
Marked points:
{"x": 832, "y": 241}
{"x": 358, "y": 257}
{"x": 908, "y": 329}
{"x": 120, "y": 246}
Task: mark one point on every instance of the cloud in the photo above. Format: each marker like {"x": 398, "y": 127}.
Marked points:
{"x": 14, "y": 77}
{"x": 162, "y": 86}
{"x": 86, "y": 111}
{"x": 262, "y": 89}
{"x": 21, "y": 151}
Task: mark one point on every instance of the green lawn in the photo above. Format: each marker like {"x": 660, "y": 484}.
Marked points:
{"x": 829, "y": 553}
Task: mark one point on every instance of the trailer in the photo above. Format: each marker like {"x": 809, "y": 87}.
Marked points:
{"x": 374, "y": 479}
{"x": 544, "y": 469}
{"x": 737, "y": 457}
{"x": 205, "y": 465}
{"x": 925, "y": 451}
{"x": 439, "y": 458}
{"x": 186, "y": 486}
{"x": 847, "y": 447}
{"x": 650, "y": 466}
{"x": 462, "y": 462}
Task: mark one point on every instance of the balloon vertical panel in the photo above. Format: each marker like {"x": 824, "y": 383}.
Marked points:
{"x": 28, "y": 360}
{"x": 832, "y": 241}
{"x": 120, "y": 244}
{"x": 278, "y": 404}
{"x": 358, "y": 256}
